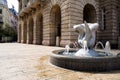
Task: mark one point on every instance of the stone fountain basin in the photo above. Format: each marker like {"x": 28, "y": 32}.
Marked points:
{"x": 106, "y": 63}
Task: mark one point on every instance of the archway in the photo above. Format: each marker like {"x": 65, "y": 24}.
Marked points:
{"x": 89, "y": 14}
{"x": 19, "y": 33}
{"x": 118, "y": 16}
{"x": 30, "y": 31}
{"x": 55, "y": 25}
{"x": 25, "y": 31}
{"x": 39, "y": 29}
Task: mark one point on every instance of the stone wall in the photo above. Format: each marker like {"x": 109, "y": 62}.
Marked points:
{"x": 110, "y": 32}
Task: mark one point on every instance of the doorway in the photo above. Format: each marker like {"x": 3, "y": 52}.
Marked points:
{"x": 89, "y": 14}
{"x": 55, "y": 26}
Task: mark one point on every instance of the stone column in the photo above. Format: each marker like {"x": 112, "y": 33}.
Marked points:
{"x": 27, "y": 32}
{"x": 36, "y": 35}
{"x": 30, "y": 30}
{"x": 19, "y": 33}
{"x": 28, "y": 41}
{"x": 35, "y": 31}
{"x": 22, "y": 32}
{"x": 38, "y": 29}
{"x": 65, "y": 25}
{"x": 33, "y": 25}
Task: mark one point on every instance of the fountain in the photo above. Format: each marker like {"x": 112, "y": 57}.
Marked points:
{"x": 86, "y": 58}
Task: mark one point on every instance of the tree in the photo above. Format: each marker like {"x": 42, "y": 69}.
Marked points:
{"x": 9, "y": 31}
{"x": 1, "y": 32}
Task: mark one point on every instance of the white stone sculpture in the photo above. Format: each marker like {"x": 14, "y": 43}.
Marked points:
{"x": 86, "y": 33}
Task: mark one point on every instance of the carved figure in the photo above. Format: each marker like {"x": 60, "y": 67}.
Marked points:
{"x": 86, "y": 33}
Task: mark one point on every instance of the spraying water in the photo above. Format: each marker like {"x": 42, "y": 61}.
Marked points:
{"x": 99, "y": 43}
{"x": 67, "y": 48}
{"x": 85, "y": 46}
{"x": 107, "y": 47}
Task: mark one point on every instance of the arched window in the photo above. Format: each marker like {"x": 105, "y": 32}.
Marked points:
{"x": 89, "y": 14}
{"x": 103, "y": 16}
{"x": 55, "y": 24}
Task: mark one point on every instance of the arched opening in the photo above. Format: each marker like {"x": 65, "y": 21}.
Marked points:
{"x": 55, "y": 25}
{"x": 30, "y": 31}
{"x": 25, "y": 31}
{"x": 19, "y": 33}
{"x": 89, "y": 14}
{"x": 39, "y": 29}
{"x": 118, "y": 16}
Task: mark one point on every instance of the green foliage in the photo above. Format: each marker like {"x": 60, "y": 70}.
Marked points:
{"x": 1, "y": 32}
{"x": 9, "y": 33}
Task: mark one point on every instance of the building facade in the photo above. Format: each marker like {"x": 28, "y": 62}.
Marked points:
{"x": 50, "y": 22}
{"x": 13, "y": 18}
{"x": 4, "y": 13}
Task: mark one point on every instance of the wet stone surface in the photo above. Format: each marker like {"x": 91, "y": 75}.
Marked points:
{"x": 31, "y": 62}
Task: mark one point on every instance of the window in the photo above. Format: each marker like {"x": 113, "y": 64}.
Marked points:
{"x": 103, "y": 19}
{"x": 0, "y": 11}
{"x": 27, "y": 1}
{"x": 1, "y": 20}
{"x": 119, "y": 28}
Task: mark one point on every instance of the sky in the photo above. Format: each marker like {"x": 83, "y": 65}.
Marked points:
{"x": 14, "y": 3}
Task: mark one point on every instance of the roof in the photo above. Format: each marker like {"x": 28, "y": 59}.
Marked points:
{"x": 13, "y": 11}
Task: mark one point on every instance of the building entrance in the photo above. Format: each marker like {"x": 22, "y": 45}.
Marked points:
{"x": 55, "y": 26}
{"x": 89, "y": 13}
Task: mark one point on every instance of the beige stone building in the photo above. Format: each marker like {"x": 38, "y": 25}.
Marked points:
{"x": 50, "y": 22}
{"x": 4, "y": 14}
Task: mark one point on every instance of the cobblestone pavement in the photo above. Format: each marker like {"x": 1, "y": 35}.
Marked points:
{"x": 31, "y": 62}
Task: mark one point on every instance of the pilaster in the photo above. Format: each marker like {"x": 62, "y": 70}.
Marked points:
{"x": 19, "y": 33}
